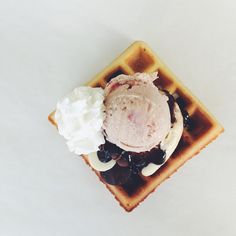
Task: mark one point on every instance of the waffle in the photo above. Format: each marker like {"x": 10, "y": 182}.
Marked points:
{"x": 204, "y": 129}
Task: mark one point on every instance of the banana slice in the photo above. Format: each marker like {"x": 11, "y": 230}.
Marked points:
{"x": 97, "y": 164}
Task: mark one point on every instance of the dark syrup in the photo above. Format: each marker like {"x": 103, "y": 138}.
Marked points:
{"x": 117, "y": 175}
{"x": 133, "y": 184}
{"x": 188, "y": 123}
{"x": 129, "y": 165}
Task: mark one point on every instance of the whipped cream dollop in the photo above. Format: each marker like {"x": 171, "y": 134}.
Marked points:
{"x": 79, "y": 117}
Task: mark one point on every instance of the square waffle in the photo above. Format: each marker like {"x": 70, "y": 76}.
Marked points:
{"x": 204, "y": 127}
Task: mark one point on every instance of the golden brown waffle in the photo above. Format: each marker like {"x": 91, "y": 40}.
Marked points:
{"x": 205, "y": 128}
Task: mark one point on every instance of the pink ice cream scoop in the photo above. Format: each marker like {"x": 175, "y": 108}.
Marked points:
{"x": 137, "y": 113}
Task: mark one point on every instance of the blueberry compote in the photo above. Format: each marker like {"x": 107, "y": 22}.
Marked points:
{"x": 128, "y": 164}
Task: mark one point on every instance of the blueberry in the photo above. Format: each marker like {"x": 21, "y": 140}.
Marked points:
{"x": 104, "y": 156}
{"x": 140, "y": 161}
{"x": 157, "y": 156}
{"x": 112, "y": 148}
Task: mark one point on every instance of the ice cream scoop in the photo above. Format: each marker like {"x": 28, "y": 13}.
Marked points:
{"x": 137, "y": 113}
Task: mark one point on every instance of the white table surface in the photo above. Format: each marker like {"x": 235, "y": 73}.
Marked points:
{"x": 47, "y": 48}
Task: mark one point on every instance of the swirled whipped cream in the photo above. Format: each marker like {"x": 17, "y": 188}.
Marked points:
{"x": 79, "y": 117}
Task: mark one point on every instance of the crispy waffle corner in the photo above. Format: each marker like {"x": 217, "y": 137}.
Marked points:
{"x": 205, "y": 128}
